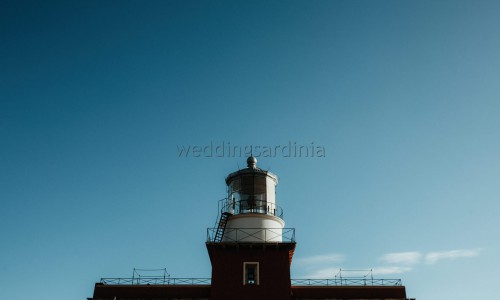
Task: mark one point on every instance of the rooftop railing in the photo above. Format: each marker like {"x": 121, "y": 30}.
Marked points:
{"x": 347, "y": 282}
{"x": 156, "y": 281}
{"x": 294, "y": 282}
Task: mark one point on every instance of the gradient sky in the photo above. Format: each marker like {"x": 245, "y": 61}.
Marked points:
{"x": 96, "y": 97}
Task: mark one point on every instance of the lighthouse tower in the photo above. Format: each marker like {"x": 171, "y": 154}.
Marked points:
{"x": 249, "y": 248}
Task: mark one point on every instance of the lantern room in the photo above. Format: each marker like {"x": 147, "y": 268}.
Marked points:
{"x": 249, "y": 213}
{"x": 252, "y": 190}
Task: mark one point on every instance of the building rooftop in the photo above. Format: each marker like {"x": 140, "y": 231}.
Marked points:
{"x": 200, "y": 288}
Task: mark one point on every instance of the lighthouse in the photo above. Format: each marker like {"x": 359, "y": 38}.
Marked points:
{"x": 250, "y": 249}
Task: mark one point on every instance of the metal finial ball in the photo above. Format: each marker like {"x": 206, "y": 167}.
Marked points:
{"x": 251, "y": 162}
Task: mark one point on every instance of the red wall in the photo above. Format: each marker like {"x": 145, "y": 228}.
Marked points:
{"x": 227, "y": 270}
{"x": 105, "y": 291}
{"x": 349, "y": 292}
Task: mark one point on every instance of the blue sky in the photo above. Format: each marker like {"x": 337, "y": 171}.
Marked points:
{"x": 96, "y": 98}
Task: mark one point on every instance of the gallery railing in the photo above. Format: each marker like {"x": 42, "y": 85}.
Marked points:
{"x": 262, "y": 235}
{"x": 236, "y": 207}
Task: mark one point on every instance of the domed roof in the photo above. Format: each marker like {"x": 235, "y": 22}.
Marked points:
{"x": 251, "y": 169}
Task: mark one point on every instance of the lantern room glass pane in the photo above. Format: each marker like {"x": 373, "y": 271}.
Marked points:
{"x": 248, "y": 193}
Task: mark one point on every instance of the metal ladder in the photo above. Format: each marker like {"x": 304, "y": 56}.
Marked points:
{"x": 222, "y": 226}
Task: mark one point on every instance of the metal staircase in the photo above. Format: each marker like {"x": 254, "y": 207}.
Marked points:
{"x": 221, "y": 227}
